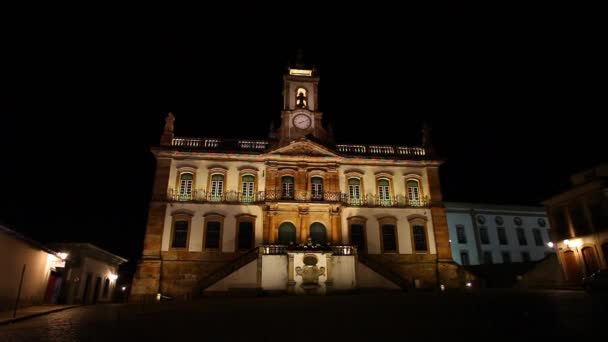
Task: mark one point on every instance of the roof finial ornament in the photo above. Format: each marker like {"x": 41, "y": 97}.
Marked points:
{"x": 427, "y": 142}
{"x": 169, "y": 121}
{"x": 167, "y": 138}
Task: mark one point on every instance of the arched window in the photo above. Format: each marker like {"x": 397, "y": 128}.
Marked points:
{"x": 287, "y": 187}
{"x": 384, "y": 194}
{"x": 106, "y": 288}
{"x": 185, "y": 186}
{"x": 217, "y": 187}
{"x": 354, "y": 191}
{"x": 317, "y": 188}
{"x": 247, "y": 188}
{"x": 301, "y": 98}
{"x": 318, "y": 233}
{"x": 413, "y": 192}
{"x": 180, "y": 233}
{"x": 287, "y": 233}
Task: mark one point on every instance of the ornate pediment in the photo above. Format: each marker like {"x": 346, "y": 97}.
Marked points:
{"x": 304, "y": 147}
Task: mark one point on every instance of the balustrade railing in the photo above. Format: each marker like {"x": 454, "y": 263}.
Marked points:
{"x": 388, "y": 150}
{"x": 274, "y": 249}
{"x": 368, "y": 200}
{"x": 343, "y": 250}
{"x": 220, "y": 144}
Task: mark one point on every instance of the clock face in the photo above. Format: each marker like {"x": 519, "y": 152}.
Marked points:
{"x": 302, "y": 121}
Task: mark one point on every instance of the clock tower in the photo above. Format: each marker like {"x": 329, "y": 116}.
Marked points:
{"x": 300, "y": 116}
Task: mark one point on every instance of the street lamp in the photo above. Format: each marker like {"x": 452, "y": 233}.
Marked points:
{"x": 550, "y": 244}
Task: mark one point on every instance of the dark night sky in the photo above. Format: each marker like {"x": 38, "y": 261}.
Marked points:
{"x": 513, "y": 102}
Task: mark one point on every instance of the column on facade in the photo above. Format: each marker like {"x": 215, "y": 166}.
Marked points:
{"x": 272, "y": 229}
{"x": 301, "y": 184}
{"x": 305, "y": 225}
{"x": 271, "y": 178}
{"x": 333, "y": 184}
{"x": 336, "y": 236}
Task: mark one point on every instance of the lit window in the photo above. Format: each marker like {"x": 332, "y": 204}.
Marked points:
{"x": 185, "y": 186}
{"x": 287, "y": 187}
{"x": 217, "y": 187}
{"x": 317, "y": 188}
{"x": 384, "y": 194}
{"x": 413, "y": 192}
{"x": 354, "y": 190}
{"x": 247, "y": 188}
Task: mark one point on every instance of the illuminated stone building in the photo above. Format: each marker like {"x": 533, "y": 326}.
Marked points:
{"x": 296, "y": 213}
{"x": 579, "y": 223}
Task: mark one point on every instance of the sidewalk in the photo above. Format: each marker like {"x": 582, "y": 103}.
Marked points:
{"x": 32, "y": 311}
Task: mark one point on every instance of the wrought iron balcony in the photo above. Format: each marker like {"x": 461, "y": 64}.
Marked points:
{"x": 234, "y": 197}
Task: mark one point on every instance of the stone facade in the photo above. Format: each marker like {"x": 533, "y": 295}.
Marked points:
{"x": 579, "y": 223}
{"x": 217, "y": 200}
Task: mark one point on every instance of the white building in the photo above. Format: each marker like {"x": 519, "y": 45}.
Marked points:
{"x": 91, "y": 273}
{"x": 495, "y": 234}
{"x": 29, "y": 271}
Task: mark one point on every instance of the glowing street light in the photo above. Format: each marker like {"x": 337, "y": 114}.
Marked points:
{"x": 63, "y": 255}
{"x": 113, "y": 277}
{"x": 550, "y": 244}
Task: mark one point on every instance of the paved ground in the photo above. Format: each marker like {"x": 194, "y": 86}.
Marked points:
{"x": 31, "y": 311}
{"x": 487, "y": 316}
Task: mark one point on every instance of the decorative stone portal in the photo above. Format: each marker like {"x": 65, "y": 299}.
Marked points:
{"x": 310, "y": 272}
{"x": 308, "y": 269}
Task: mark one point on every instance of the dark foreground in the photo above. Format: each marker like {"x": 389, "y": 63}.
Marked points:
{"x": 483, "y": 316}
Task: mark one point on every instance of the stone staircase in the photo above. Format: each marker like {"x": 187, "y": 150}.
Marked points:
{"x": 384, "y": 270}
{"x": 227, "y": 269}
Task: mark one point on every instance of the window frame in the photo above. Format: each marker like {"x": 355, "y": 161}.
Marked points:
{"x": 362, "y": 221}
{"x": 213, "y": 217}
{"x": 242, "y": 197}
{"x": 240, "y": 219}
{"x": 180, "y": 216}
{"x": 519, "y": 237}
{"x": 464, "y": 252}
{"x": 386, "y": 221}
{"x": 461, "y": 228}
{"x": 410, "y": 201}
{"x": 501, "y": 241}
{"x": 180, "y": 196}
